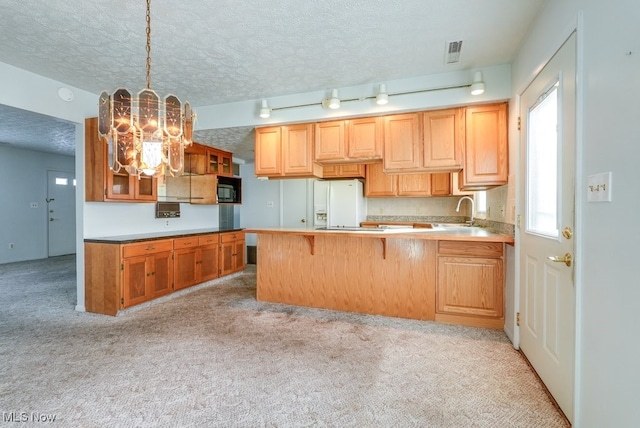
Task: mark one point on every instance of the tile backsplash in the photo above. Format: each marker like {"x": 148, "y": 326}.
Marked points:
{"x": 500, "y": 215}
{"x": 438, "y": 206}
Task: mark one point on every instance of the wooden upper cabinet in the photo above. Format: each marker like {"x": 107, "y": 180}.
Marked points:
{"x": 268, "y": 151}
{"x": 364, "y": 138}
{"x": 102, "y": 184}
{"x": 285, "y": 151}
{"x": 468, "y": 141}
{"x": 486, "y": 161}
{"x": 414, "y": 185}
{"x": 219, "y": 162}
{"x": 330, "y": 141}
{"x": 441, "y": 184}
{"x": 297, "y": 150}
{"x": 443, "y": 138}
{"x": 345, "y": 170}
{"x": 380, "y": 184}
{"x": 402, "y": 143}
{"x": 351, "y": 141}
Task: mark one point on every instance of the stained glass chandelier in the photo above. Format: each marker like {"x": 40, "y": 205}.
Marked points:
{"x": 145, "y": 135}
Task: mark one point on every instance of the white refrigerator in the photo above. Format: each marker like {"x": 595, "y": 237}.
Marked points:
{"x": 339, "y": 203}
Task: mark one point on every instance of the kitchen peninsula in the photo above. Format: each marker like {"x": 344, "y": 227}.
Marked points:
{"x": 124, "y": 271}
{"x": 452, "y": 273}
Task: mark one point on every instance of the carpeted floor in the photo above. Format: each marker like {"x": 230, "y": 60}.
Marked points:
{"x": 215, "y": 357}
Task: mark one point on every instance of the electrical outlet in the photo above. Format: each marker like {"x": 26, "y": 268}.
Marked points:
{"x": 269, "y": 204}
{"x": 34, "y": 205}
{"x": 501, "y": 211}
{"x": 11, "y": 245}
{"x": 166, "y": 223}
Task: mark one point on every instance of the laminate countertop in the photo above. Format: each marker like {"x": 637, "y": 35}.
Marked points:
{"x": 141, "y": 237}
{"x": 447, "y": 232}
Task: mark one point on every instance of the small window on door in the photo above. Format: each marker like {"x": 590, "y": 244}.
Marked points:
{"x": 62, "y": 181}
{"x": 542, "y": 156}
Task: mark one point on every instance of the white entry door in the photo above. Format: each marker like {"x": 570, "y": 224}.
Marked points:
{"x": 61, "y": 212}
{"x": 295, "y": 200}
{"x": 545, "y": 235}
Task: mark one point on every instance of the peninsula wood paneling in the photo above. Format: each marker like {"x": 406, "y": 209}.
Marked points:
{"x": 349, "y": 274}
{"x": 102, "y": 271}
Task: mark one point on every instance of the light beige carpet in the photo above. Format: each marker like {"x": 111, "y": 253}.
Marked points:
{"x": 215, "y": 357}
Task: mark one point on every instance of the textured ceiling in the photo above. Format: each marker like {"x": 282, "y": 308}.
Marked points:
{"x": 221, "y": 51}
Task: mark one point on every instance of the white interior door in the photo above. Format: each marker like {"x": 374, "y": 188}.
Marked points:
{"x": 546, "y": 224}
{"x": 61, "y": 213}
{"x": 295, "y": 199}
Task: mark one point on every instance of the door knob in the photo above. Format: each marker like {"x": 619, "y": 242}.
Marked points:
{"x": 303, "y": 221}
{"x": 566, "y": 259}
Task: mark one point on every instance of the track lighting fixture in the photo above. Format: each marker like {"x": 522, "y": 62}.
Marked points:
{"x": 382, "y": 98}
{"x": 265, "y": 111}
{"x": 477, "y": 87}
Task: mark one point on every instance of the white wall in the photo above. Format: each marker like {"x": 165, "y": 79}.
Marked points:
{"x": 23, "y": 174}
{"x": 254, "y": 211}
{"x": 607, "y": 278}
{"x": 117, "y": 218}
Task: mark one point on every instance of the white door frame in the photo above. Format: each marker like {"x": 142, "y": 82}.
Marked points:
{"x": 50, "y": 174}
{"x": 576, "y": 26}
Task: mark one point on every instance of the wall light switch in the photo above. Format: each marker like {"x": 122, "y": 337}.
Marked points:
{"x": 599, "y": 187}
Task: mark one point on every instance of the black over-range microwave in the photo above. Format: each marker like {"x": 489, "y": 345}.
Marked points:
{"x": 226, "y": 193}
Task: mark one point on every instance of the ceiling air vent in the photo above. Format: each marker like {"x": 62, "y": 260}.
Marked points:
{"x": 453, "y": 52}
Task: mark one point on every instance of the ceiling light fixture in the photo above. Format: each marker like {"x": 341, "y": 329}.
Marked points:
{"x": 145, "y": 135}
{"x": 477, "y": 87}
{"x": 265, "y": 111}
{"x": 334, "y": 101}
{"x": 382, "y": 98}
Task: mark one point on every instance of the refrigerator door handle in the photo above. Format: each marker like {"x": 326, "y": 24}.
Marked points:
{"x": 329, "y": 205}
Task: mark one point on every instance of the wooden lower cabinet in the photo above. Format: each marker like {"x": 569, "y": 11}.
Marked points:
{"x": 231, "y": 252}
{"x": 195, "y": 260}
{"x": 185, "y": 262}
{"x": 208, "y": 262}
{"x": 147, "y": 277}
{"x": 470, "y": 283}
{"x": 118, "y": 276}
{"x": 147, "y": 271}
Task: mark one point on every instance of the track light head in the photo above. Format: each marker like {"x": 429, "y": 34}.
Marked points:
{"x": 334, "y": 101}
{"x": 477, "y": 87}
{"x": 382, "y": 98}
{"x": 265, "y": 111}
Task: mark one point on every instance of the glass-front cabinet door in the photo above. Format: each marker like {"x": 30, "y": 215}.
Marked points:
{"x": 123, "y": 186}
{"x": 219, "y": 162}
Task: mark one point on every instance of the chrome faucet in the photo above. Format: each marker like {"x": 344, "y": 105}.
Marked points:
{"x": 472, "y": 207}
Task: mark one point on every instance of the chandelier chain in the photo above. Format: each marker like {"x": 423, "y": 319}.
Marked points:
{"x": 148, "y": 44}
